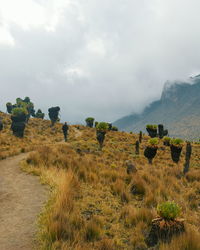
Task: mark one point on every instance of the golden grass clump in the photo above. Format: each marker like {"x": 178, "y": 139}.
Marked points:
{"x": 37, "y": 132}
{"x": 132, "y": 216}
{"x": 138, "y": 186}
{"x": 187, "y": 241}
{"x": 64, "y": 222}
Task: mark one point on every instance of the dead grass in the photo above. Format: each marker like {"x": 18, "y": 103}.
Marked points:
{"x": 187, "y": 241}
{"x": 37, "y": 131}
{"x": 95, "y": 204}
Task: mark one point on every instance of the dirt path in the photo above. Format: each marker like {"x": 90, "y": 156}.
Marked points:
{"x": 21, "y": 200}
{"x": 78, "y": 133}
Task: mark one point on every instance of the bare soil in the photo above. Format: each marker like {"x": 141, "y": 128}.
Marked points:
{"x": 21, "y": 200}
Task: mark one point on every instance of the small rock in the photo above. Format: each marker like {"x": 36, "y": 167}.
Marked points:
{"x": 131, "y": 168}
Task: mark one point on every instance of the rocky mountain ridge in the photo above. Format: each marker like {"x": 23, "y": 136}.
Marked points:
{"x": 178, "y": 109}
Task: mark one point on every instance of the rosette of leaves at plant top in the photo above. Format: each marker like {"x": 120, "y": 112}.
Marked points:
{"x": 39, "y": 114}
{"x": 27, "y": 99}
{"x": 19, "y": 114}
{"x": 153, "y": 142}
{"x": 167, "y": 225}
{"x": 27, "y": 104}
{"x": 151, "y": 149}
{"x": 176, "y": 148}
{"x": 176, "y": 142}
{"x": 168, "y": 210}
{"x": 166, "y": 141}
{"x": 89, "y": 122}
{"x": 151, "y": 126}
{"x": 19, "y": 101}
{"x": 114, "y": 128}
{"x": 102, "y": 126}
{"x": 152, "y": 130}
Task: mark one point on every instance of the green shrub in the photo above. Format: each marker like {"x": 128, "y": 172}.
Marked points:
{"x": 114, "y": 128}
{"x": 23, "y": 104}
{"x": 89, "y": 121}
{"x": 151, "y": 126}
{"x": 53, "y": 114}
{"x": 176, "y": 141}
{"x": 153, "y": 141}
{"x": 95, "y": 124}
{"x": 27, "y": 99}
{"x": 102, "y": 126}
{"x": 19, "y": 111}
{"x": 168, "y": 210}
{"x": 19, "y": 101}
{"x": 93, "y": 230}
{"x": 166, "y": 139}
{"x": 39, "y": 114}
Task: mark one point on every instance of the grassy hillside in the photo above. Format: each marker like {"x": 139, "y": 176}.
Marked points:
{"x": 91, "y": 205}
{"x": 37, "y": 131}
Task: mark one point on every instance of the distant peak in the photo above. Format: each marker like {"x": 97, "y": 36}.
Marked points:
{"x": 171, "y": 89}
{"x": 194, "y": 77}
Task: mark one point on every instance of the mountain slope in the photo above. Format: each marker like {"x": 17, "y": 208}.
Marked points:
{"x": 178, "y": 109}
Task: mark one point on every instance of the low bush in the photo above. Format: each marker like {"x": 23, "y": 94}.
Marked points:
{"x": 168, "y": 210}
{"x": 102, "y": 126}
{"x": 150, "y": 126}
{"x": 176, "y": 142}
{"x": 166, "y": 139}
{"x": 93, "y": 230}
{"x": 19, "y": 111}
{"x": 153, "y": 141}
{"x": 138, "y": 187}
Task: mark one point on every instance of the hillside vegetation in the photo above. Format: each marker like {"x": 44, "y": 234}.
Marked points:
{"x": 95, "y": 203}
{"x": 37, "y": 131}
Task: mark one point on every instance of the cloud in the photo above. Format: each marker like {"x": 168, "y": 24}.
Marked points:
{"x": 103, "y": 58}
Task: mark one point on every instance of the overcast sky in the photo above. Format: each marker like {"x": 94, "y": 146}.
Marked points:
{"x": 100, "y": 58}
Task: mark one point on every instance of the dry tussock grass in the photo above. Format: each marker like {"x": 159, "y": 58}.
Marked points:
{"x": 37, "y": 132}
{"x": 97, "y": 205}
{"x": 187, "y": 241}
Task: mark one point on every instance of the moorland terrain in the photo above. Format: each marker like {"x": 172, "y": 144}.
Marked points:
{"x": 93, "y": 201}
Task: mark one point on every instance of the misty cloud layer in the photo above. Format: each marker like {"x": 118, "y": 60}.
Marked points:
{"x": 103, "y": 58}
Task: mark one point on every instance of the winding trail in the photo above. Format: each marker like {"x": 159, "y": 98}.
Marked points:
{"x": 21, "y": 200}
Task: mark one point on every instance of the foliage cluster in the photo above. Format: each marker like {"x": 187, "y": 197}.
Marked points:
{"x": 168, "y": 210}
{"x": 153, "y": 141}
{"x": 166, "y": 139}
{"x": 176, "y": 142}
{"x": 102, "y": 126}
{"x": 151, "y": 126}
{"x": 19, "y": 111}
